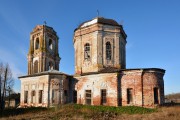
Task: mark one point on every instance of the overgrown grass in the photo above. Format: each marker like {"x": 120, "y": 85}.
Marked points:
{"x": 120, "y": 110}
{"x": 17, "y": 111}
{"x": 105, "y": 112}
{"x": 76, "y": 111}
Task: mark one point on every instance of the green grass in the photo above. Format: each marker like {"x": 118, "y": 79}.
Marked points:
{"x": 72, "y": 110}
{"x": 120, "y": 110}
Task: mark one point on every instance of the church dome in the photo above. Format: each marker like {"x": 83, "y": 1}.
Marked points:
{"x": 100, "y": 20}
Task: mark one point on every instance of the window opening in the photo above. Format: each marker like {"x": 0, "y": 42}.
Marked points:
{"x": 108, "y": 51}
{"x": 50, "y": 66}
{"x": 33, "y": 98}
{"x": 88, "y": 97}
{"x": 103, "y": 96}
{"x": 37, "y": 44}
{"x": 87, "y": 51}
{"x": 156, "y": 101}
{"x": 40, "y": 96}
{"x": 36, "y": 66}
{"x": 25, "y": 96}
{"x": 50, "y": 44}
{"x": 129, "y": 96}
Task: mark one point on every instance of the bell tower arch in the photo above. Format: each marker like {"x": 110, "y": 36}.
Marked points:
{"x": 43, "y": 51}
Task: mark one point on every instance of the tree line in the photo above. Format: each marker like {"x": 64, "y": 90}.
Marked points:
{"x": 173, "y": 96}
{"x": 6, "y": 83}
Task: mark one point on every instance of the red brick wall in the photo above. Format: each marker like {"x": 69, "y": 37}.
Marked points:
{"x": 131, "y": 79}
{"x": 95, "y": 83}
{"x": 142, "y": 83}
{"x": 150, "y": 81}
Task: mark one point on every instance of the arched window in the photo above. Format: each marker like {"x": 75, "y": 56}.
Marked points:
{"x": 37, "y": 44}
{"x": 50, "y": 66}
{"x": 50, "y": 44}
{"x": 108, "y": 50}
{"x": 87, "y": 51}
{"x": 36, "y": 66}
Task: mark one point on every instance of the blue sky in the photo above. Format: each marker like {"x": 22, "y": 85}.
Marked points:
{"x": 152, "y": 26}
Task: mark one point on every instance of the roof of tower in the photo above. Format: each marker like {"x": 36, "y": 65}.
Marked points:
{"x": 100, "y": 20}
{"x": 40, "y": 27}
{"x": 103, "y": 21}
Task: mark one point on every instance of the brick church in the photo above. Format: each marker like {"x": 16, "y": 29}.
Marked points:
{"x": 100, "y": 78}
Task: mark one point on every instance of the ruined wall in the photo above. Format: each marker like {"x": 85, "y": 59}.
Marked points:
{"x": 131, "y": 79}
{"x": 153, "y": 80}
{"x": 34, "y": 83}
{"x": 142, "y": 82}
{"x": 55, "y": 90}
{"x": 95, "y": 83}
{"x": 60, "y": 84}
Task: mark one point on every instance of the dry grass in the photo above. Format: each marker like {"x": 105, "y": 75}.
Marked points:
{"x": 68, "y": 112}
{"x": 163, "y": 113}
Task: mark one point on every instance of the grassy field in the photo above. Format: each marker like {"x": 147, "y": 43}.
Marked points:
{"x": 73, "y": 111}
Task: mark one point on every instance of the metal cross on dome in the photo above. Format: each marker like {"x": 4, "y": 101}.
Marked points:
{"x": 97, "y": 13}
{"x": 45, "y": 23}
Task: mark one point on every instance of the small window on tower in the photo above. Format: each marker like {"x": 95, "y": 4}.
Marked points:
{"x": 50, "y": 44}
{"x": 108, "y": 51}
{"x": 50, "y": 66}
{"x": 36, "y": 66}
{"x": 37, "y": 44}
{"x": 87, "y": 51}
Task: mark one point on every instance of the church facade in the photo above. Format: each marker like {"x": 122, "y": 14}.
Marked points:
{"x": 100, "y": 78}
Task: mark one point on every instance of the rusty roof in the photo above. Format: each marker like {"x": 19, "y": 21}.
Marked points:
{"x": 102, "y": 21}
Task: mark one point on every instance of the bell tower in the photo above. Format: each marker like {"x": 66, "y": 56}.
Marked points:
{"x": 43, "y": 51}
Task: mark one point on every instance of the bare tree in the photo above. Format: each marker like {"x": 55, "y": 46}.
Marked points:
{"x": 1, "y": 72}
{"x": 6, "y": 82}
